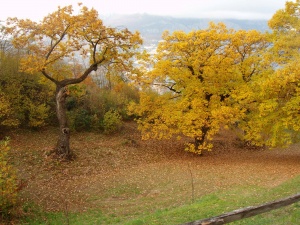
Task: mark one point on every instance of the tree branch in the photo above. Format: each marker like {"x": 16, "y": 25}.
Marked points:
{"x": 170, "y": 88}
{"x": 57, "y": 42}
{"x": 93, "y": 67}
{"x": 49, "y": 77}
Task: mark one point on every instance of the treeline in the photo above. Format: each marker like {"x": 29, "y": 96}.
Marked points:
{"x": 196, "y": 83}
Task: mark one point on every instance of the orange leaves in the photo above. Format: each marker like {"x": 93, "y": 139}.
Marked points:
{"x": 62, "y": 36}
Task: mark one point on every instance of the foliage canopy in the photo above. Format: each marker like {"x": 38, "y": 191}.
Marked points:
{"x": 219, "y": 77}
{"x": 198, "y": 75}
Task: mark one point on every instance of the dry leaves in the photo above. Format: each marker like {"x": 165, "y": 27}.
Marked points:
{"x": 119, "y": 173}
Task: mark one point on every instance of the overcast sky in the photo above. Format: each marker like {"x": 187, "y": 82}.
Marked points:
{"x": 240, "y": 9}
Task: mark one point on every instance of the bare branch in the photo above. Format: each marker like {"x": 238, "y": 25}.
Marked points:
{"x": 171, "y": 88}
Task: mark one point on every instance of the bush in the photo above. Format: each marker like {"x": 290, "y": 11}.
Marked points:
{"x": 6, "y": 114}
{"x": 80, "y": 120}
{"x": 112, "y": 122}
{"x": 87, "y": 106}
{"x": 26, "y": 100}
{"x": 8, "y": 182}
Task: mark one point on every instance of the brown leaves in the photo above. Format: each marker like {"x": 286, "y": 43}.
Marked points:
{"x": 116, "y": 177}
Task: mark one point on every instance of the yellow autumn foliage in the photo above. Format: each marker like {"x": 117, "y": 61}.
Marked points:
{"x": 275, "y": 113}
{"x": 6, "y": 117}
{"x": 64, "y": 37}
{"x": 219, "y": 77}
{"x": 273, "y": 100}
{"x": 197, "y": 75}
{"x": 8, "y": 184}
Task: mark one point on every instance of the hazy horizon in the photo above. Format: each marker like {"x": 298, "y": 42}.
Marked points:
{"x": 215, "y": 9}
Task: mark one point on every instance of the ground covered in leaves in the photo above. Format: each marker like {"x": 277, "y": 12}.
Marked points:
{"x": 123, "y": 175}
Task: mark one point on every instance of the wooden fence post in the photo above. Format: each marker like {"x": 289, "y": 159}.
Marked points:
{"x": 246, "y": 212}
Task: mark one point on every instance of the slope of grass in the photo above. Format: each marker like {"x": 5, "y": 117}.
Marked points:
{"x": 204, "y": 207}
{"x": 119, "y": 179}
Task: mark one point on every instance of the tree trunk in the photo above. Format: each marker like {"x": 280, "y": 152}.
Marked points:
{"x": 62, "y": 148}
{"x": 199, "y": 140}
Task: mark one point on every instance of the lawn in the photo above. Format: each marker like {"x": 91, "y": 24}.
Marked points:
{"x": 120, "y": 179}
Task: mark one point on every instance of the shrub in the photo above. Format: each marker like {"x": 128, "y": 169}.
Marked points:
{"x": 26, "y": 99}
{"x": 97, "y": 123}
{"x": 112, "y": 122}
{"x": 80, "y": 120}
{"x": 6, "y": 116}
{"x": 88, "y": 104}
{"x": 8, "y": 183}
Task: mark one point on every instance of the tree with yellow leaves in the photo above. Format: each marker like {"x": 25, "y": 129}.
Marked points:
{"x": 50, "y": 46}
{"x": 198, "y": 75}
{"x": 274, "y": 98}
{"x": 285, "y": 25}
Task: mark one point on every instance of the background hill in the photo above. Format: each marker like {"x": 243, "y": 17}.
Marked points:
{"x": 152, "y": 27}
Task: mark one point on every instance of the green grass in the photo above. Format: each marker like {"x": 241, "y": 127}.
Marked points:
{"x": 60, "y": 218}
{"x": 207, "y": 206}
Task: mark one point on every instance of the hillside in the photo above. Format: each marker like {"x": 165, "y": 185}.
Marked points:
{"x": 122, "y": 177}
{"x": 151, "y": 27}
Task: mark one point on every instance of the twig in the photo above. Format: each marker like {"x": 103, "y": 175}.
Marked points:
{"x": 66, "y": 212}
{"x": 192, "y": 182}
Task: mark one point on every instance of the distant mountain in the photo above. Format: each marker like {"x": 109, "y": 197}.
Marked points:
{"x": 151, "y": 27}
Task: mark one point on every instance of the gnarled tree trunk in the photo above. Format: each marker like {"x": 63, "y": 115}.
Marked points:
{"x": 62, "y": 148}
{"x": 199, "y": 140}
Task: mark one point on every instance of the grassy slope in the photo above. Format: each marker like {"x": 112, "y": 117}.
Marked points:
{"x": 209, "y": 205}
{"x": 123, "y": 180}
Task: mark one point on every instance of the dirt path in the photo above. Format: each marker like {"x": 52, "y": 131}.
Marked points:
{"x": 119, "y": 173}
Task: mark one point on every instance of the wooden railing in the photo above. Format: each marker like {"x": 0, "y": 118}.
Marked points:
{"x": 246, "y": 212}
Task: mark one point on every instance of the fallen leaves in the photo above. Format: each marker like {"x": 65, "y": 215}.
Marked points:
{"x": 119, "y": 177}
